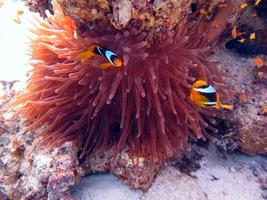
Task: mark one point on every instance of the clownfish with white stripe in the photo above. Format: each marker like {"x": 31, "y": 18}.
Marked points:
{"x": 205, "y": 95}
{"x": 93, "y": 51}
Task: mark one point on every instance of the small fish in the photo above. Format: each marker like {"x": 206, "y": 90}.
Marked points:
{"x": 260, "y": 74}
{"x": 242, "y": 40}
{"x": 234, "y": 33}
{"x": 264, "y": 110}
{"x": 261, "y": 8}
{"x": 16, "y": 18}
{"x": 205, "y": 95}
{"x": 252, "y": 36}
{"x": 257, "y": 2}
{"x": 254, "y": 42}
{"x": 95, "y": 50}
{"x": 259, "y": 62}
{"x": 243, "y": 6}
{"x": 19, "y": 12}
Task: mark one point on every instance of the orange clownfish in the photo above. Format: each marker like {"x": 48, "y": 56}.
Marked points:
{"x": 95, "y": 50}
{"x": 205, "y": 95}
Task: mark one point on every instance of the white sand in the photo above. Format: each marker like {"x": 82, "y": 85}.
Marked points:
{"x": 235, "y": 176}
{"x": 235, "y": 181}
{"x": 104, "y": 187}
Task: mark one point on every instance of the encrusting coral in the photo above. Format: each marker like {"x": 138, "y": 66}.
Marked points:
{"x": 144, "y": 105}
{"x": 39, "y": 6}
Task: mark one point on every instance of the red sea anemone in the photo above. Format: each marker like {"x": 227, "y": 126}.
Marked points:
{"x": 144, "y": 105}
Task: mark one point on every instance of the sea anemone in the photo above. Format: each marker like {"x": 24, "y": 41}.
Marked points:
{"x": 143, "y": 106}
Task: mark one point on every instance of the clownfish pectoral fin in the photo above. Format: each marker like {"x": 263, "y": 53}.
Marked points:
{"x": 227, "y": 106}
{"x": 118, "y": 62}
{"x": 106, "y": 65}
{"x": 221, "y": 106}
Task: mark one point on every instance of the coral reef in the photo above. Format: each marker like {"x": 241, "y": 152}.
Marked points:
{"x": 39, "y": 6}
{"x": 255, "y": 143}
{"x": 137, "y": 172}
{"x": 143, "y": 106}
{"x": 246, "y": 124}
{"x": 28, "y": 171}
{"x": 156, "y": 17}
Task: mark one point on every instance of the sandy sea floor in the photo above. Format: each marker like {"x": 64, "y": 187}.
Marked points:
{"x": 234, "y": 177}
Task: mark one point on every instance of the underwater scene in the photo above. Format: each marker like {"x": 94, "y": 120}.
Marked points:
{"x": 133, "y": 100}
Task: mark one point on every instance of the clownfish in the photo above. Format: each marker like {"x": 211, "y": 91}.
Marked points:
{"x": 95, "y": 50}
{"x": 261, "y": 8}
{"x": 254, "y": 42}
{"x": 205, "y": 95}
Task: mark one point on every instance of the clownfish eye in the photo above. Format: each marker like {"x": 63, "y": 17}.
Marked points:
{"x": 203, "y": 86}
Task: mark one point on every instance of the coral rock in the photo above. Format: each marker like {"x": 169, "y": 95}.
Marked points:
{"x": 39, "y": 6}
{"x": 122, "y": 11}
{"x": 253, "y": 138}
{"x": 157, "y": 17}
{"x": 247, "y": 124}
{"x": 136, "y": 172}
{"x": 28, "y": 171}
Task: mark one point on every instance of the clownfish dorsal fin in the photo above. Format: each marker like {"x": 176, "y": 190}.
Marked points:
{"x": 88, "y": 53}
